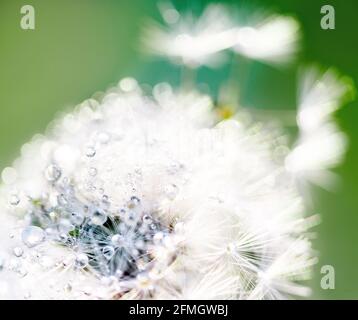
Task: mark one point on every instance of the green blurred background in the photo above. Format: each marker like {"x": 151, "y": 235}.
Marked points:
{"x": 80, "y": 47}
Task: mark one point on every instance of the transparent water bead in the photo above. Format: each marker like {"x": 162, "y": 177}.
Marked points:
{"x": 133, "y": 202}
{"x": 99, "y": 218}
{"x": 14, "y": 200}
{"x": 18, "y": 251}
{"x": 147, "y": 219}
{"x": 53, "y": 173}
{"x": 22, "y": 272}
{"x": 77, "y": 218}
{"x": 103, "y": 137}
{"x": 117, "y": 240}
{"x": 81, "y": 261}
{"x": 130, "y": 218}
{"x": 90, "y": 152}
{"x": 171, "y": 191}
{"x": 32, "y": 236}
{"x": 92, "y": 172}
{"x": 108, "y": 252}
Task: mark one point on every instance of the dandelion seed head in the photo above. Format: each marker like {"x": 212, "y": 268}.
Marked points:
{"x": 170, "y": 205}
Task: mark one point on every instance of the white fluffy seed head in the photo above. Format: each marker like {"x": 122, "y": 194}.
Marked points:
{"x": 141, "y": 197}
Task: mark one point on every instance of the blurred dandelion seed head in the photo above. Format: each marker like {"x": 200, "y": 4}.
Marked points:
{"x": 203, "y": 41}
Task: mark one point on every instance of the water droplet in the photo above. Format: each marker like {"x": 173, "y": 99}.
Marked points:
{"x": 53, "y": 173}
{"x": 33, "y": 236}
{"x": 2, "y": 263}
{"x": 133, "y": 202}
{"x": 103, "y": 138}
{"x": 92, "y": 172}
{"x": 108, "y": 252}
{"x": 90, "y": 152}
{"x": 67, "y": 287}
{"x": 77, "y": 218}
{"x": 63, "y": 237}
{"x": 18, "y": 251}
{"x": 130, "y": 218}
{"x": 117, "y": 240}
{"x": 66, "y": 226}
{"x": 53, "y": 215}
{"x": 14, "y": 200}
{"x": 81, "y": 261}
{"x": 27, "y": 295}
{"x": 158, "y": 237}
{"x": 171, "y": 191}
{"x": 119, "y": 273}
{"x": 147, "y": 219}
{"x": 22, "y": 272}
{"x": 99, "y": 218}
{"x": 61, "y": 199}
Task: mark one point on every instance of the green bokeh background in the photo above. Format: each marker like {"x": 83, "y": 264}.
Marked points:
{"x": 80, "y": 47}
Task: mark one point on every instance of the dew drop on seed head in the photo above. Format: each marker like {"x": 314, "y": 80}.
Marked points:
{"x": 32, "y": 236}
{"x": 103, "y": 138}
{"x": 53, "y": 173}
{"x": 108, "y": 252}
{"x": 81, "y": 261}
{"x": 147, "y": 219}
{"x": 158, "y": 237}
{"x": 77, "y": 218}
{"x": 171, "y": 191}
{"x": 90, "y": 152}
{"x": 133, "y": 202}
{"x": 117, "y": 240}
{"x": 22, "y": 272}
{"x": 130, "y": 218}
{"x": 61, "y": 199}
{"x": 98, "y": 218}
{"x": 27, "y": 295}
{"x": 92, "y": 172}
{"x": 18, "y": 252}
{"x": 63, "y": 237}
{"x": 67, "y": 287}
{"x": 14, "y": 200}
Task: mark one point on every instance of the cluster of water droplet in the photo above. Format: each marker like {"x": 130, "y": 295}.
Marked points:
{"x": 117, "y": 246}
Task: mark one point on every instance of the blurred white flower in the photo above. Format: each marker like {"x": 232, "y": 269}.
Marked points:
{"x": 138, "y": 197}
{"x": 321, "y": 145}
{"x": 273, "y": 40}
{"x": 195, "y": 42}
